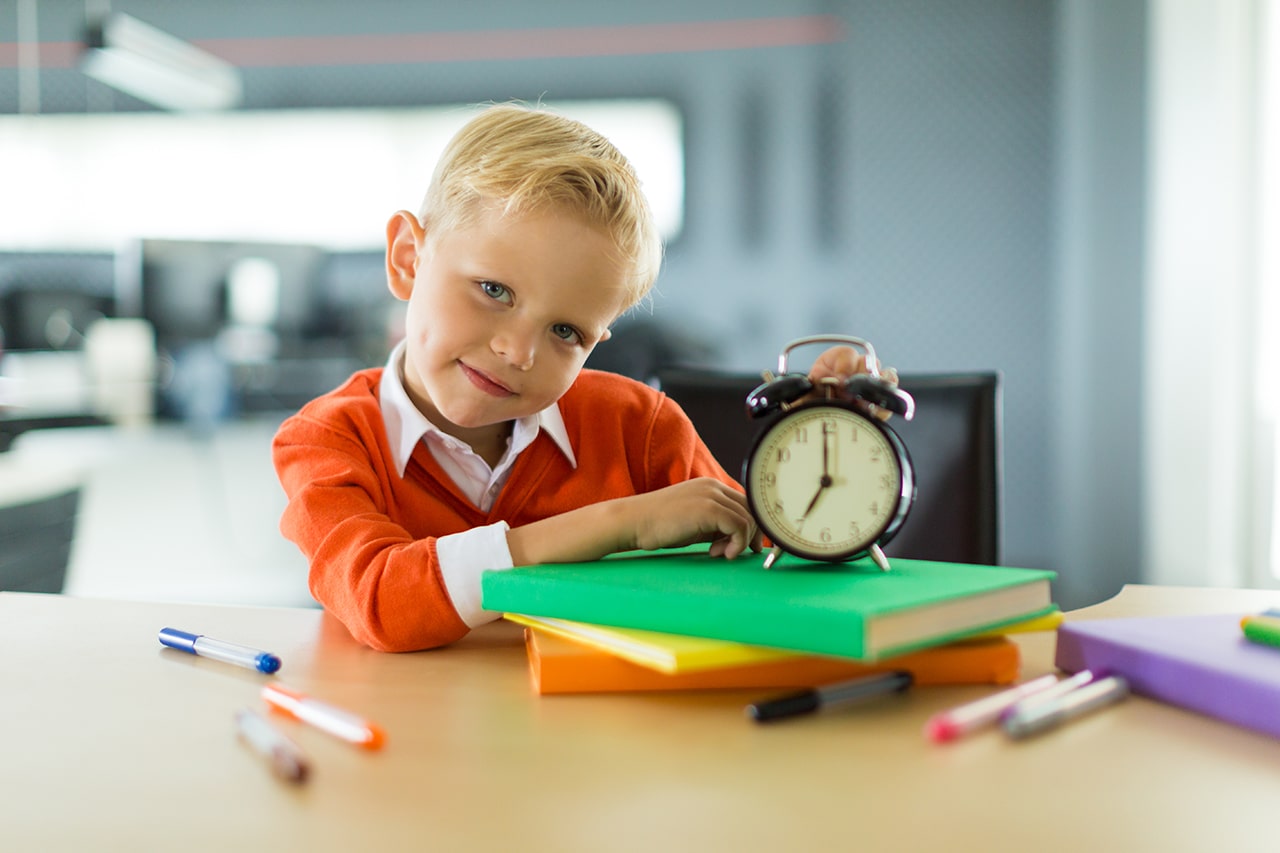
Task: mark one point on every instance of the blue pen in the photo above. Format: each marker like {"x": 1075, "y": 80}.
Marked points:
{"x": 207, "y": 647}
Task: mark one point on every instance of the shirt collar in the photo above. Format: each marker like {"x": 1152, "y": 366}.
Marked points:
{"x": 406, "y": 425}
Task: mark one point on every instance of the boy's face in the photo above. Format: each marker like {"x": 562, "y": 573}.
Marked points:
{"x": 502, "y": 314}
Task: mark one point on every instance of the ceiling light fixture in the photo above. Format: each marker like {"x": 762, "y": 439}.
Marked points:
{"x": 152, "y": 65}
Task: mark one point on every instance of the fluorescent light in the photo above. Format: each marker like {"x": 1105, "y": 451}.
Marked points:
{"x": 154, "y": 66}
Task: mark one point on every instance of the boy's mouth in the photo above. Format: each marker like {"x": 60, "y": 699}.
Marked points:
{"x": 485, "y": 382}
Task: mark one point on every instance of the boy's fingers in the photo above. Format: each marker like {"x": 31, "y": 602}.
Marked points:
{"x": 726, "y": 520}
{"x": 741, "y": 535}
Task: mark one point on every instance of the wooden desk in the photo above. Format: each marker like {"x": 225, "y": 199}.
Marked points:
{"x": 112, "y": 742}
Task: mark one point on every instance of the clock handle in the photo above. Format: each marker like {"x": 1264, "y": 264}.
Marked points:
{"x": 873, "y": 365}
{"x": 776, "y": 394}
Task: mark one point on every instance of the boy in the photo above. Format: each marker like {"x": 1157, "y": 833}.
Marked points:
{"x": 483, "y": 443}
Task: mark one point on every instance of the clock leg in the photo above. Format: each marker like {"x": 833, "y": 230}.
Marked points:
{"x": 773, "y": 556}
{"x": 880, "y": 559}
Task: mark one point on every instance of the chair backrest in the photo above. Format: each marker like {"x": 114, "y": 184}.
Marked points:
{"x": 954, "y": 441}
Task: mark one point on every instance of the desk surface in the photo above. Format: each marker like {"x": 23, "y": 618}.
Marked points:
{"x": 112, "y": 742}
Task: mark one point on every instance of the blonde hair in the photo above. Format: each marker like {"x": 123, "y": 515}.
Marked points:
{"x": 527, "y": 159}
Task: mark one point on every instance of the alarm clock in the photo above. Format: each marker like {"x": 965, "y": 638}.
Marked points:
{"x": 827, "y": 478}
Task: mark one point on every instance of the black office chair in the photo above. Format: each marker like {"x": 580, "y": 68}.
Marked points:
{"x": 954, "y": 442}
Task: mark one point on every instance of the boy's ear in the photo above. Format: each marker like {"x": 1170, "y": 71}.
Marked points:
{"x": 404, "y": 239}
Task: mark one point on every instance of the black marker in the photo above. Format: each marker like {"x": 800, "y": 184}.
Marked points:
{"x": 808, "y": 701}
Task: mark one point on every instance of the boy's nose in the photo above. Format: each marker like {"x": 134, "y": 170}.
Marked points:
{"x": 516, "y": 347}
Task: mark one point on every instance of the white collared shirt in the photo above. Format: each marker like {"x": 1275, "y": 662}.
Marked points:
{"x": 463, "y": 556}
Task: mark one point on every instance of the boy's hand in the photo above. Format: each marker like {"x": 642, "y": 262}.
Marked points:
{"x": 700, "y": 510}
{"x": 841, "y": 362}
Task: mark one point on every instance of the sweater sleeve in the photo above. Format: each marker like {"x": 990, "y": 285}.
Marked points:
{"x": 676, "y": 453}
{"x": 366, "y": 569}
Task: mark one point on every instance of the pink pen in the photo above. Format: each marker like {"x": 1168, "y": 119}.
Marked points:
{"x": 949, "y": 725}
{"x": 327, "y": 718}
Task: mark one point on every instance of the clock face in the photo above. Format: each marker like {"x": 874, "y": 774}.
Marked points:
{"x": 826, "y": 483}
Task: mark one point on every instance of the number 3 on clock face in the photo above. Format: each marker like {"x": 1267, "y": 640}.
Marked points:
{"x": 826, "y": 482}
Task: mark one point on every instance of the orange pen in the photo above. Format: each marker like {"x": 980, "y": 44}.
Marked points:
{"x": 337, "y": 722}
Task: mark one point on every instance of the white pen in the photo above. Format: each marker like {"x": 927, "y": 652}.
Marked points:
{"x": 287, "y": 760}
{"x": 956, "y": 722}
{"x": 1045, "y": 715}
{"x": 1062, "y": 688}
{"x": 328, "y": 718}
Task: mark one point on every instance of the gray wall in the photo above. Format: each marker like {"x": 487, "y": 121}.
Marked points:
{"x": 942, "y": 180}
{"x": 1098, "y": 302}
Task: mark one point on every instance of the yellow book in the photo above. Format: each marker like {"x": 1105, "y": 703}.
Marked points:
{"x": 1046, "y": 622}
{"x": 668, "y": 653}
{"x": 672, "y": 653}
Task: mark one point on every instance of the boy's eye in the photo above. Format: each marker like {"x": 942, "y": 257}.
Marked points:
{"x": 493, "y": 290}
{"x": 566, "y": 332}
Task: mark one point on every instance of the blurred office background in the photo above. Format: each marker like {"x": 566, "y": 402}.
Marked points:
{"x": 1080, "y": 194}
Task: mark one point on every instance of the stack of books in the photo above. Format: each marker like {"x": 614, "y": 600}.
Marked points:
{"x": 680, "y": 619}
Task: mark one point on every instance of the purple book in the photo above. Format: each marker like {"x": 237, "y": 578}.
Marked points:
{"x": 1202, "y": 663}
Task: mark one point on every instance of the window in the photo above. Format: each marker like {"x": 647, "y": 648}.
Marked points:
{"x": 1267, "y": 333}
{"x": 329, "y": 178}
{"x": 1212, "y": 369}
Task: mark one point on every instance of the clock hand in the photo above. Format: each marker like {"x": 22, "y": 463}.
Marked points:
{"x": 828, "y": 431}
{"x": 812, "y": 504}
{"x": 826, "y": 462}
{"x": 823, "y": 485}
{"x": 825, "y": 481}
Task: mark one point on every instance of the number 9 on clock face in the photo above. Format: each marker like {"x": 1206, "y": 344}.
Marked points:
{"x": 826, "y": 482}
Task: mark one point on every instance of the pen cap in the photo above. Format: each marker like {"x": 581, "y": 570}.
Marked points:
{"x": 267, "y": 663}
{"x": 783, "y": 707}
{"x": 181, "y": 640}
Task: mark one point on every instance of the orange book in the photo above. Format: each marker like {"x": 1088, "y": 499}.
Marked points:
{"x": 558, "y": 665}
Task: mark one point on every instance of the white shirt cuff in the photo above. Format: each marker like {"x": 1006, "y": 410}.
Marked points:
{"x": 463, "y": 557}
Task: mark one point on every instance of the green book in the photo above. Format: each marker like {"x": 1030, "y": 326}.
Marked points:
{"x": 847, "y": 609}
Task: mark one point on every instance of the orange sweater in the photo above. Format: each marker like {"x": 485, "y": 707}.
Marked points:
{"x": 370, "y": 535}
